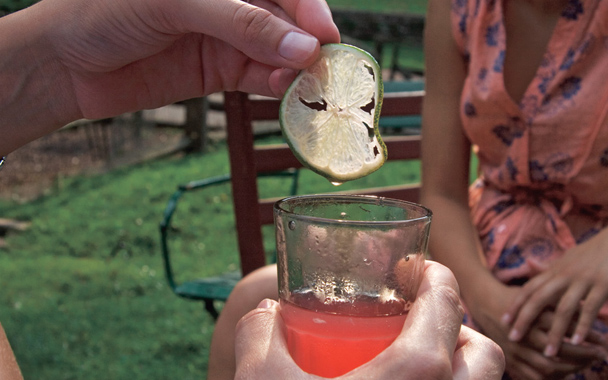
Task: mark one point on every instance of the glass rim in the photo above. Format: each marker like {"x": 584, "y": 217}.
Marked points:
{"x": 425, "y": 213}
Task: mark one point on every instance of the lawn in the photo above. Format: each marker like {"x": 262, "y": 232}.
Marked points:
{"x": 83, "y": 289}
{"x": 393, "y": 6}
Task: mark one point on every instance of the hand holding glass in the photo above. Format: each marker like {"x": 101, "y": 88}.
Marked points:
{"x": 349, "y": 270}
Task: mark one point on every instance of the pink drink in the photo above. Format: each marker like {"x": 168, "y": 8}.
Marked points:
{"x": 330, "y": 345}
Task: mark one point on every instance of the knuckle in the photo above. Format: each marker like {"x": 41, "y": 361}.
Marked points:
{"x": 492, "y": 351}
{"x": 450, "y": 297}
{"x": 252, "y": 22}
{"x": 432, "y": 365}
{"x": 565, "y": 309}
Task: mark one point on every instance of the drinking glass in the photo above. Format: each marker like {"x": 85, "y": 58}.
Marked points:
{"x": 349, "y": 269}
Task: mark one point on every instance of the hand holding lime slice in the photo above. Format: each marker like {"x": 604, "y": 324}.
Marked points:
{"x": 329, "y": 115}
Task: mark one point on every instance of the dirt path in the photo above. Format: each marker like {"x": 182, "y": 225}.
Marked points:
{"x": 35, "y": 168}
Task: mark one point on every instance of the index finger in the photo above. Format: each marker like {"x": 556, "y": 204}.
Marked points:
{"x": 313, "y": 16}
{"x": 529, "y": 305}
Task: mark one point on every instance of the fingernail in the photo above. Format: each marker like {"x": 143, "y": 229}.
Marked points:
{"x": 297, "y": 47}
{"x": 266, "y": 304}
{"x": 514, "y": 335}
{"x": 506, "y": 318}
{"x": 550, "y": 350}
{"x": 576, "y": 339}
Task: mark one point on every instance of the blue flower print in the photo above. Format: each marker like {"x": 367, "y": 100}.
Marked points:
{"x": 529, "y": 107}
{"x": 499, "y": 62}
{"x": 505, "y": 134}
{"x": 462, "y": 25}
{"x": 502, "y": 205}
{"x": 552, "y": 223}
{"x": 587, "y": 235}
{"x": 544, "y": 83}
{"x": 568, "y": 60}
{"x": 604, "y": 158}
{"x": 483, "y": 73}
{"x": 574, "y": 54}
{"x": 599, "y": 326}
{"x": 469, "y": 109}
{"x": 537, "y": 171}
{"x": 573, "y": 9}
{"x": 488, "y": 241}
{"x": 508, "y": 133}
{"x": 512, "y": 168}
{"x": 560, "y": 163}
{"x": 541, "y": 248}
{"x": 546, "y": 72}
{"x": 510, "y": 257}
{"x": 570, "y": 87}
{"x": 599, "y": 366}
{"x": 492, "y": 34}
{"x": 476, "y": 12}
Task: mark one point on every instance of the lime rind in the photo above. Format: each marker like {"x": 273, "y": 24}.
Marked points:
{"x": 329, "y": 115}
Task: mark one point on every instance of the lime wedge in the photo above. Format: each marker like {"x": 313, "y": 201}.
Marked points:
{"x": 329, "y": 114}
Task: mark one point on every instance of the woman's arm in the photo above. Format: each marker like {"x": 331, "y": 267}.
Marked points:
{"x": 9, "y": 370}
{"x": 445, "y": 160}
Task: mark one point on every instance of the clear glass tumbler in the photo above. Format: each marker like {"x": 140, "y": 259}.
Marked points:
{"x": 349, "y": 269}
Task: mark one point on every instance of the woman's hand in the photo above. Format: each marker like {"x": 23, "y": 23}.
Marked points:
{"x": 525, "y": 358}
{"x": 576, "y": 285}
{"x": 432, "y": 344}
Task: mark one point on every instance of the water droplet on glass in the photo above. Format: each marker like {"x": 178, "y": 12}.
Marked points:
{"x": 292, "y": 225}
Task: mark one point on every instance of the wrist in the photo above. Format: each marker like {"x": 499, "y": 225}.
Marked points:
{"x": 481, "y": 289}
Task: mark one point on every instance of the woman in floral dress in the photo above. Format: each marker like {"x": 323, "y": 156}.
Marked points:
{"x": 525, "y": 84}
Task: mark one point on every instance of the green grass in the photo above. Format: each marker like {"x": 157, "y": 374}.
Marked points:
{"x": 393, "y": 6}
{"x": 83, "y": 289}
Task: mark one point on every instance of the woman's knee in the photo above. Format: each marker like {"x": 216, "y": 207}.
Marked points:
{"x": 259, "y": 284}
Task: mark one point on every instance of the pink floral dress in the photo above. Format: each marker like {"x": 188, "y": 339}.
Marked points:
{"x": 543, "y": 163}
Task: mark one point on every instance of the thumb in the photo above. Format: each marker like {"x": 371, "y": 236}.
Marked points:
{"x": 260, "y": 347}
{"x": 431, "y": 330}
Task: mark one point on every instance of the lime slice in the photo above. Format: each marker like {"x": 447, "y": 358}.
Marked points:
{"x": 329, "y": 114}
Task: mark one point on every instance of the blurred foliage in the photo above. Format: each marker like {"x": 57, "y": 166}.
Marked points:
{"x": 9, "y": 6}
